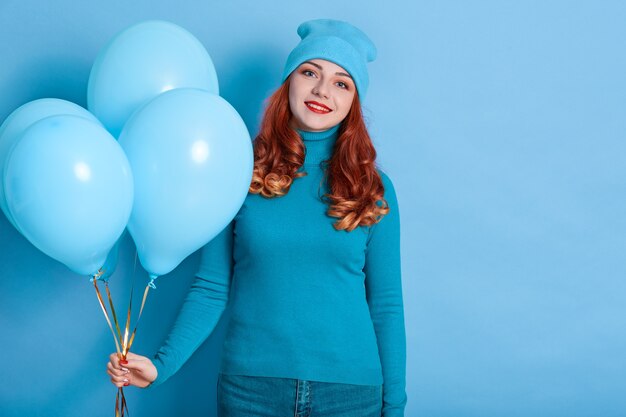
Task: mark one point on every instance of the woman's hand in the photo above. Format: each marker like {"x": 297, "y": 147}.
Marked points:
{"x": 135, "y": 370}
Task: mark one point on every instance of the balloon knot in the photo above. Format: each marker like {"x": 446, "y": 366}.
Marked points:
{"x": 98, "y": 276}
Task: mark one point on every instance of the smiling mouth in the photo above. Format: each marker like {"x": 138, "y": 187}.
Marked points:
{"x": 316, "y": 107}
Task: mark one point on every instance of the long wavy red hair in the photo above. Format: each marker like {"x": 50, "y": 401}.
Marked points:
{"x": 355, "y": 187}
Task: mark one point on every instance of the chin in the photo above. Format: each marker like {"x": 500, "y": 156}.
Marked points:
{"x": 317, "y": 125}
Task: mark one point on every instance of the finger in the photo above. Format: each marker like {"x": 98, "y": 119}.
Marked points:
{"x": 117, "y": 372}
{"x": 131, "y": 355}
{"x": 118, "y": 379}
{"x": 119, "y": 367}
{"x": 114, "y": 359}
{"x": 135, "y": 364}
{"x": 118, "y": 384}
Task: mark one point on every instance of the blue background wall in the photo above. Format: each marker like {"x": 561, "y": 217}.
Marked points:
{"x": 503, "y": 127}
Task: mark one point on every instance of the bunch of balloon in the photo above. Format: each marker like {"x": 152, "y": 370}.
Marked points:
{"x": 176, "y": 177}
{"x": 154, "y": 87}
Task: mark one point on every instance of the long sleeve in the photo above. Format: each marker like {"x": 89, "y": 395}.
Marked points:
{"x": 202, "y": 308}
{"x": 384, "y": 296}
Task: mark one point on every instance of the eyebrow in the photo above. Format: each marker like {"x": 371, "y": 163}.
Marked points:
{"x": 318, "y": 66}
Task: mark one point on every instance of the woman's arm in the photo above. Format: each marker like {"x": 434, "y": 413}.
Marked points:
{"x": 384, "y": 296}
{"x": 203, "y": 306}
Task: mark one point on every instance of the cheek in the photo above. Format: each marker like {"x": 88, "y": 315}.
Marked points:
{"x": 298, "y": 86}
{"x": 344, "y": 104}
{"x": 292, "y": 101}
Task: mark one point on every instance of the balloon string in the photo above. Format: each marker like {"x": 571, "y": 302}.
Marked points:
{"x": 117, "y": 326}
{"x": 121, "y": 406}
{"x": 125, "y": 346}
{"x": 117, "y": 404}
{"x": 124, "y": 404}
{"x": 118, "y": 412}
{"x": 143, "y": 302}
{"x": 106, "y": 315}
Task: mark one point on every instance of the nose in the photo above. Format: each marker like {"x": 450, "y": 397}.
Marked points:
{"x": 321, "y": 89}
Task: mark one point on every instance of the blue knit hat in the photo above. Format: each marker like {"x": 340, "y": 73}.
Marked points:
{"x": 335, "y": 41}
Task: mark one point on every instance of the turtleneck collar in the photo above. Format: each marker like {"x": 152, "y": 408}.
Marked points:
{"x": 319, "y": 145}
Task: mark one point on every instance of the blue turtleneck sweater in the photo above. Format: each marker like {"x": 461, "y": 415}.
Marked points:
{"x": 308, "y": 302}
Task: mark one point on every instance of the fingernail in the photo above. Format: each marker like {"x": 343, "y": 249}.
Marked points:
{"x": 125, "y": 370}
{"x": 123, "y": 362}
{"x": 125, "y": 379}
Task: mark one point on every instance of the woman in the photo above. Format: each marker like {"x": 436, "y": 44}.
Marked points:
{"x": 313, "y": 255}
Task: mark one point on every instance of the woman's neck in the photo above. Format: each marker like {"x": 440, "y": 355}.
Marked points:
{"x": 306, "y": 135}
{"x": 319, "y": 145}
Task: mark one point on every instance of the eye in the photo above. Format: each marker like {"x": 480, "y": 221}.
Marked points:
{"x": 341, "y": 84}
{"x": 308, "y": 73}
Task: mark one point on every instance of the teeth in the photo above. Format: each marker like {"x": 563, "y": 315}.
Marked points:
{"x": 316, "y": 107}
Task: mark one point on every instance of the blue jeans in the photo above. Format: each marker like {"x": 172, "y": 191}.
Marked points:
{"x": 251, "y": 396}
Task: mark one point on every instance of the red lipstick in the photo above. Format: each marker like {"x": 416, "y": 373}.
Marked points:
{"x": 316, "y": 107}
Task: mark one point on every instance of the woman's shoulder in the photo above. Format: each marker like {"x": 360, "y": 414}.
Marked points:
{"x": 387, "y": 183}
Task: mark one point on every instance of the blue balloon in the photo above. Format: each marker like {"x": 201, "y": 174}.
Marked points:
{"x": 191, "y": 157}
{"x": 142, "y": 62}
{"x": 110, "y": 263}
{"x": 21, "y": 118}
{"x": 69, "y": 188}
